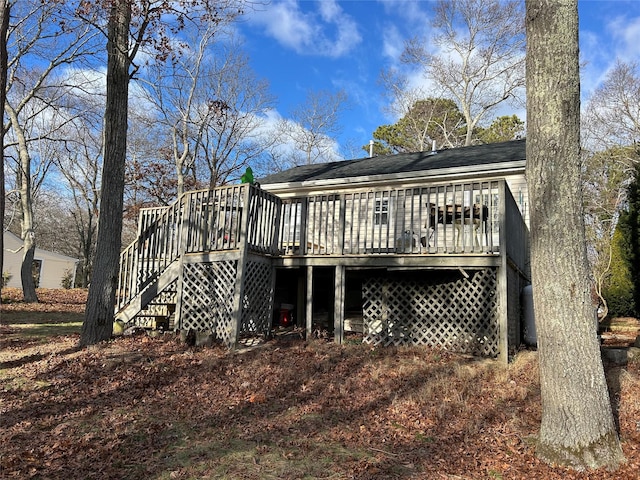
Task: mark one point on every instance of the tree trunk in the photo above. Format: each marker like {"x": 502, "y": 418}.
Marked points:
{"x": 98, "y": 322}
{"x": 26, "y": 270}
{"x": 577, "y": 428}
{"x": 4, "y": 27}
{"x": 26, "y": 209}
{"x": 28, "y": 234}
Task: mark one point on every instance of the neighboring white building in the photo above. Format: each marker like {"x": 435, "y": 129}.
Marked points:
{"x": 53, "y": 267}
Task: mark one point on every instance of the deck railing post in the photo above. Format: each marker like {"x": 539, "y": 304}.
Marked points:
{"x": 182, "y": 226}
{"x": 342, "y": 205}
{"x": 243, "y": 248}
{"x": 309, "y": 302}
{"x": 304, "y": 222}
{"x": 277, "y": 215}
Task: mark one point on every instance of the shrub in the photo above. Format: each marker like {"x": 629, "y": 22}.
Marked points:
{"x": 67, "y": 279}
{"x": 620, "y": 291}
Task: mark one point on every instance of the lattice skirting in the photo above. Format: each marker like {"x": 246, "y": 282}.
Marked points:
{"x": 208, "y": 292}
{"x": 257, "y": 301}
{"x": 207, "y": 298}
{"x": 515, "y": 284}
{"x": 443, "y": 309}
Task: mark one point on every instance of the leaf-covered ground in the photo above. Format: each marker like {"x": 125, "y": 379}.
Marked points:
{"x": 152, "y": 408}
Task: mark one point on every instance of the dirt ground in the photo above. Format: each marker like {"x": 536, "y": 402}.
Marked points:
{"x": 152, "y": 408}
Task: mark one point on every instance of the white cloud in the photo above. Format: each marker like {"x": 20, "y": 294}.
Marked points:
{"x": 412, "y": 15}
{"x": 392, "y": 43}
{"x": 326, "y": 30}
{"x": 601, "y": 49}
{"x": 626, "y": 33}
{"x": 286, "y": 148}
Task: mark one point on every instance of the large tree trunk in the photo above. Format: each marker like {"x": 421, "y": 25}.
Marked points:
{"x": 4, "y": 27}
{"x": 577, "y": 427}
{"x": 98, "y": 322}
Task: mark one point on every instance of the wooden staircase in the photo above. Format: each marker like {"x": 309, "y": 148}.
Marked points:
{"x": 200, "y": 226}
{"x": 147, "y": 296}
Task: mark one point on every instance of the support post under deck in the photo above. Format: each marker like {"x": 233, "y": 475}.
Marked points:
{"x": 182, "y": 247}
{"x": 502, "y": 287}
{"x": 309, "y": 302}
{"x": 243, "y": 246}
{"x": 338, "y": 310}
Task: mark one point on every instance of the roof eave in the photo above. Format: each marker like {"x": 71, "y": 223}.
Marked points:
{"x": 471, "y": 171}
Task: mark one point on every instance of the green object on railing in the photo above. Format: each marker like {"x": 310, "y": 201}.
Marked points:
{"x": 247, "y": 176}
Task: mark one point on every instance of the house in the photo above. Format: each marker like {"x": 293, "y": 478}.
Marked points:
{"x": 418, "y": 248}
{"x": 50, "y": 268}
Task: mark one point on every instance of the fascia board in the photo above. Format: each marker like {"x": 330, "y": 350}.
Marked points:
{"x": 439, "y": 175}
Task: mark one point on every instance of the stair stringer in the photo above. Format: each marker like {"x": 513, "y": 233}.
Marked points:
{"x": 151, "y": 291}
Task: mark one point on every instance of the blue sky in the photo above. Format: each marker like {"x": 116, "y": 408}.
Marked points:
{"x": 332, "y": 45}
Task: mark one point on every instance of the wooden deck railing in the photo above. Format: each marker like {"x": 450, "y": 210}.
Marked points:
{"x": 464, "y": 218}
{"x": 436, "y": 218}
{"x": 199, "y": 221}
{"x": 515, "y": 236}
{"x": 157, "y": 246}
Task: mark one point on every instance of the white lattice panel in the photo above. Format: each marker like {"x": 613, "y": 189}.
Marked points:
{"x": 258, "y": 298}
{"x": 448, "y": 311}
{"x": 207, "y": 298}
{"x": 515, "y": 283}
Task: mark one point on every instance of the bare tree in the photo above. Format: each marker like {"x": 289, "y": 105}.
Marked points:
{"x": 607, "y": 176}
{"x": 150, "y": 172}
{"x": 4, "y": 27}
{"x": 79, "y": 163}
{"x": 131, "y": 26}
{"x": 98, "y": 323}
{"x": 308, "y": 136}
{"x": 577, "y": 428}
{"x": 211, "y": 108}
{"x": 47, "y": 36}
{"x": 480, "y": 57}
{"x": 233, "y": 133}
{"x": 611, "y": 127}
{"x": 175, "y": 90}
{"x": 612, "y": 115}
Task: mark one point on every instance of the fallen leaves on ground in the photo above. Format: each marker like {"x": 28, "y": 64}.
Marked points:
{"x": 152, "y": 408}
{"x": 71, "y": 300}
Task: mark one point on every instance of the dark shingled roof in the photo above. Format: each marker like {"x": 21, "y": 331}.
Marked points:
{"x": 476, "y": 155}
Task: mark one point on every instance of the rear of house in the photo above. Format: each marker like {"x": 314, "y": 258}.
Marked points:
{"x": 427, "y": 251}
{"x": 421, "y": 248}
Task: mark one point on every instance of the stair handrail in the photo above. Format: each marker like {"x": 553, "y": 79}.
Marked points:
{"x": 198, "y": 221}
{"x": 155, "y": 247}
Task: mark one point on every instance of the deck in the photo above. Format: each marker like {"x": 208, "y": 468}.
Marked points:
{"x": 247, "y": 233}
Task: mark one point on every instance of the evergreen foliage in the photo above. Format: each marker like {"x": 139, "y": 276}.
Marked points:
{"x": 623, "y": 290}
{"x": 502, "y": 129}
{"x": 439, "y": 120}
{"x": 619, "y": 292}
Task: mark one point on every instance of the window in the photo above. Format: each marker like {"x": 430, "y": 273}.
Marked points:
{"x": 381, "y": 212}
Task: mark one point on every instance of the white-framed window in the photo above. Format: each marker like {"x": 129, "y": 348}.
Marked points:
{"x": 381, "y": 211}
